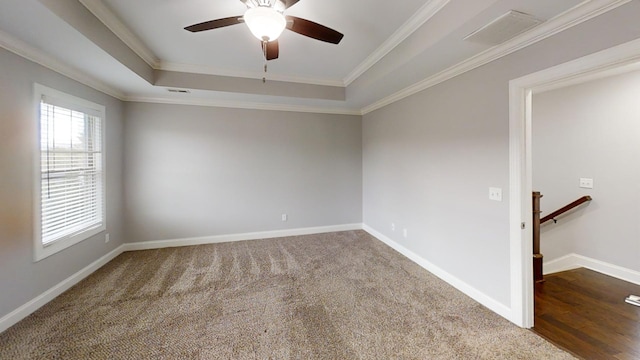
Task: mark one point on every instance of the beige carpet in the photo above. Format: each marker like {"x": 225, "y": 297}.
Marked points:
{"x": 332, "y": 296}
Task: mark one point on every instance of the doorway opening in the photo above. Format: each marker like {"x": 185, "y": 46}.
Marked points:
{"x": 616, "y": 60}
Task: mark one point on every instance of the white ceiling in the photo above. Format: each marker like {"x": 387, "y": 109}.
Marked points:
{"x": 388, "y": 46}
{"x": 159, "y": 24}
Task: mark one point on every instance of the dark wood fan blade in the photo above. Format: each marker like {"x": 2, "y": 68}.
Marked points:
{"x": 313, "y": 30}
{"x": 272, "y": 50}
{"x": 289, "y": 3}
{"x": 214, "y": 24}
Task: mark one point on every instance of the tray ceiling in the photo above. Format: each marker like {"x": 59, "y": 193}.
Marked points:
{"x": 137, "y": 49}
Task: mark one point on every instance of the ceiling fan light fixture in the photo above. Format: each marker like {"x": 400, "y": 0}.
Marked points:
{"x": 265, "y": 23}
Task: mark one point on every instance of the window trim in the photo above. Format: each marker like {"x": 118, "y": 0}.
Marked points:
{"x": 75, "y": 103}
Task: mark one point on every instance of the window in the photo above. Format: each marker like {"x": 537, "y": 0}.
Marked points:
{"x": 70, "y": 185}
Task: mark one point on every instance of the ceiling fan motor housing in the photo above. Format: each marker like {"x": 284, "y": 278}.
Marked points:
{"x": 279, "y": 5}
{"x": 265, "y": 23}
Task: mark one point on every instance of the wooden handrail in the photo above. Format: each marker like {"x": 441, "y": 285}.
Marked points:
{"x": 537, "y": 257}
{"x": 565, "y": 208}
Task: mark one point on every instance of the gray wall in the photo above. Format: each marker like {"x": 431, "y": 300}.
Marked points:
{"x": 429, "y": 159}
{"x": 590, "y": 130}
{"x": 20, "y": 278}
{"x": 425, "y": 163}
{"x": 201, "y": 171}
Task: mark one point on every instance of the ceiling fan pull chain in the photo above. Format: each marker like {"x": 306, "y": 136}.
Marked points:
{"x": 264, "y": 52}
{"x": 264, "y": 78}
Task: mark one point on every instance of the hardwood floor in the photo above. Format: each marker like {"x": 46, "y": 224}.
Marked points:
{"x": 584, "y": 312}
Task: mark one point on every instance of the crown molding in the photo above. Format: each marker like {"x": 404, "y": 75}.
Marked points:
{"x": 577, "y": 15}
{"x": 426, "y": 12}
{"x": 111, "y": 21}
{"x": 572, "y": 17}
{"x": 37, "y": 56}
{"x": 245, "y": 105}
{"x": 209, "y": 70}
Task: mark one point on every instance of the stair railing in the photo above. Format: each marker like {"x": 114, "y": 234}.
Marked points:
{"x": 537, "y": 221}
{"x": 564, "y": 209}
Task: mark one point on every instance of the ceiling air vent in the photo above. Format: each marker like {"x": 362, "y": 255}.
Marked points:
{"x": 503, "y": 28}
{"x": 180, "y": 91}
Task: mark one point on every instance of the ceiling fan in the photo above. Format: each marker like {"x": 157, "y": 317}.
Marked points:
{"x": 266, "y": 21}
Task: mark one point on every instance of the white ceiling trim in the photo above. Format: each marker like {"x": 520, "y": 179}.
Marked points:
{"x": 31, "y": 53}
{"x": 37, "y": 56}
{"x": 244, "y": 105}
{"x": 208, "y": 70}
{"x": 572, "y": 17}
{"x": 111, "y": 21}
{"x": 583, "y": 12}
{"x": 426, "y": 12}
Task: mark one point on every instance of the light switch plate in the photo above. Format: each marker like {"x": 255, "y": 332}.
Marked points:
{"x": 495, "y": 194}
{"x": 586, "y": 183}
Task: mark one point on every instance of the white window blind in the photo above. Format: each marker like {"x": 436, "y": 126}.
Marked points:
{"x": 71, "y": 169}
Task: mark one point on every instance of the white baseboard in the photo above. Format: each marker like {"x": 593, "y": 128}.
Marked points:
{"x": 568, "y": 262}
{"x": 564, "y": 263}
{"x": 574, "y": 261}
{"x": 462, "y": 286}
{"x": 148, "y": 245}
{"x": 27, "y": 309}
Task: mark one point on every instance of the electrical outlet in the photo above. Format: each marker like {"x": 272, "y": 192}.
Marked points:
{"x": 106, "y": 238}
{"x": 284, "y": 217}
{"x": 586, "y": 183}
{"x": 495, "y": 194}
{"x": 393, "y": 226}
{"x": 404, "y": 232}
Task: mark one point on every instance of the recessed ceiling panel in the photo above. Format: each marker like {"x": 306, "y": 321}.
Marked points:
{"x": 435, "y": 46}
{"x": 366, "y": 25}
